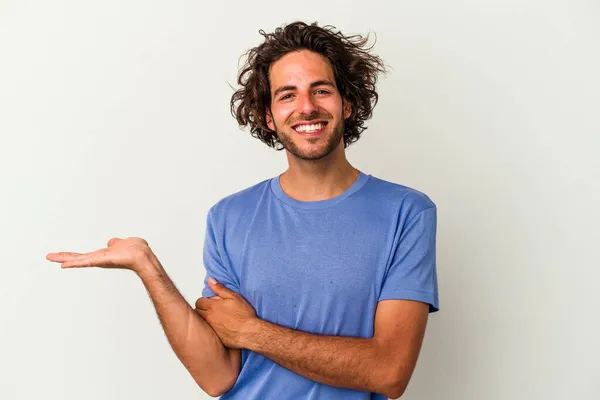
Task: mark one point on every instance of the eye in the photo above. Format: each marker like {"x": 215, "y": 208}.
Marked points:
{"x": 285, "y": 97}
{"x": 322, "y": 91}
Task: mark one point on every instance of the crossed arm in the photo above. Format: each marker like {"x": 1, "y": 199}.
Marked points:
{"x": 382, "y": 364}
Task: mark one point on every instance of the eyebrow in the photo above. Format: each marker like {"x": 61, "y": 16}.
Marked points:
{"x": 322, "y": 82}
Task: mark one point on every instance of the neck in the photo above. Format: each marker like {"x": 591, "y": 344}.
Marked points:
{"x": 314, "y": 180}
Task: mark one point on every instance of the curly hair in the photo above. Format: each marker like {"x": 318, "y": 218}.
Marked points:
{"x": 354, "y": 68}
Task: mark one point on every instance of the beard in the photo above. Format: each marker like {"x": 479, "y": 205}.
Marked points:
{"x": 316, "y": 149}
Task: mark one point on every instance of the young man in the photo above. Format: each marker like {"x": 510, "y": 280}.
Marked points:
{"x": 320, "y": 280}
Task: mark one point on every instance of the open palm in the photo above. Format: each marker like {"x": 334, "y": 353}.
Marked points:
{"x": 120, "y": 253}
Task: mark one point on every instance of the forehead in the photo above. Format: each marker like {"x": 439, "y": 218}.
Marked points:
{"x": 300, "y": 68}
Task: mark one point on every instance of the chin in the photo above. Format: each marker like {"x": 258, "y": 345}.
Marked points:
{"x": 313, "y": 152}
{"x": 315, "y": 147}
{"x": 311, "y": 156}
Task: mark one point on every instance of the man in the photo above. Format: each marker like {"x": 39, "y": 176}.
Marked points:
{"x": 319, "y": 281}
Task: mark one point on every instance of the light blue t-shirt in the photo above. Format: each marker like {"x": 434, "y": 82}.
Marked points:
{"x": 320, "y": 267}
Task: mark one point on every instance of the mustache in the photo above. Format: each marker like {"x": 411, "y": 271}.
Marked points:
{"x": 312, "y": 117}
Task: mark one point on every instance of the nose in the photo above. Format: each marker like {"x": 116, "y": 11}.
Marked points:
{"x": 307, "y": 105}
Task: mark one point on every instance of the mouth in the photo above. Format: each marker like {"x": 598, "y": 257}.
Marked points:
{"x": 310, "y": 128}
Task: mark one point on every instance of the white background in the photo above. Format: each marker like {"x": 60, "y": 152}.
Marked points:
{"x": 114, "y": 121}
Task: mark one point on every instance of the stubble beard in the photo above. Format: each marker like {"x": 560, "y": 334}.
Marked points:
{"x": 333, "y": 141}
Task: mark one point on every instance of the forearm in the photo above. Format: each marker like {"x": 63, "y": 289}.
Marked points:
{"x": 191, "y": 338}
{"x": 347, "y": 362}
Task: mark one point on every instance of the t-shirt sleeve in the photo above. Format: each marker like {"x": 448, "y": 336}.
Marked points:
{"x": 412, "y": 273}
{"x": 214, "y": 262}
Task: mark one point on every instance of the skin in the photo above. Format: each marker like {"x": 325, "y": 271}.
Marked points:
{"x": 298, "y": 96}
{"x": 213, "y": 367}
{"x": 209, "y": 338}
{"x": 318, "y": 168}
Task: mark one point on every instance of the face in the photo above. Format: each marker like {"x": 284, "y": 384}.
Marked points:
{"x": 307, "y": 111}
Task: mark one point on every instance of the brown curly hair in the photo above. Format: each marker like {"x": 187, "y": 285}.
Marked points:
{"x": 354, "y": 68}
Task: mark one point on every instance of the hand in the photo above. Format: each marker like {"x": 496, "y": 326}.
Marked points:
{"x": 228, "y": 313}
{"x": 121, "y": 253}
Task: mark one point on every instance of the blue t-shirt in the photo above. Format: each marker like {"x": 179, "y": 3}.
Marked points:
{"x": 319, "y": 267}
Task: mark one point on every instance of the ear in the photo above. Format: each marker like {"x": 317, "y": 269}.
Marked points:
{"x": 347, "y": 108}
{"x": 269, "y": 119}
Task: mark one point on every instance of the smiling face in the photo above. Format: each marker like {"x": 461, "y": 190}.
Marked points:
{"x": 307, "y": 111}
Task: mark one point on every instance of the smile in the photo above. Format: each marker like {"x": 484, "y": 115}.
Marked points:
{"x": 310, "y": 128}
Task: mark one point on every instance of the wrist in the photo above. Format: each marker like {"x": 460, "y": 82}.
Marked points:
{"x": 148, "y": 266}
{"x": 251, "y": 332}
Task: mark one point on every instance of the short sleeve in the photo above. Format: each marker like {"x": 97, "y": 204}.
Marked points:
{"x": 412, "y": 273}
{"x": 213, "y": 259}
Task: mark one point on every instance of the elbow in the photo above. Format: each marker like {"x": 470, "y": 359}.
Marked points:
{"x": 217, "y": 383}
{"x": 214, "y": 393}
{"x": 216, "y": 389}
{"x": 395, "y": 385}
{"x": 211, "y": 389}
{"x": 394, "y": 392}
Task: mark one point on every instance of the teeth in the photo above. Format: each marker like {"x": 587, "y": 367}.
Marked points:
{"x": 309, "y": 128}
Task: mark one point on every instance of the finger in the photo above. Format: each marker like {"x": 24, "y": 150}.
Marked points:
{"x": 202, "y": 303}
{"x": 219, "y": 289}
{"x": 84, "y": 262}
{"x": 62, "y": 256}
{"x": 113, "y": 241}
{"x": 99, "y": 258}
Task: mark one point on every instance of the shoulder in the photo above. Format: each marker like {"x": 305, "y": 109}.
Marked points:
{"x": 238, "y": 204}
{"x": 405, "y": 200}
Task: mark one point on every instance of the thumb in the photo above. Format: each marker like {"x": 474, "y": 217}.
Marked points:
{"x": 219, "y": 288}
{"x": 113, "y": 241}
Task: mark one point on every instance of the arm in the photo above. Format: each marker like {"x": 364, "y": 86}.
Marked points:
{"x": 213, "y": 366}
{"x": 382, "y": 364}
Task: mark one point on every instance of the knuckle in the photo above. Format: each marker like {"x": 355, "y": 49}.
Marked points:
{"x": 139, "y": 240}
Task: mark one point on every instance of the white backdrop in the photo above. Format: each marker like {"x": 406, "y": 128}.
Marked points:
{"x": 114, "y": 121}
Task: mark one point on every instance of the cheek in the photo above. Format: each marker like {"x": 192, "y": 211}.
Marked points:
{"x": 332, "y": 107}
{"x": 283, "y": 115}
